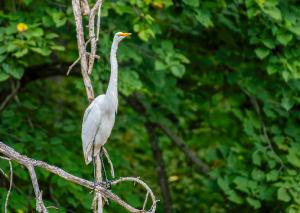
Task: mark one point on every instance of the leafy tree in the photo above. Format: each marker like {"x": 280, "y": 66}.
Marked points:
{"x": 223, "y": 75}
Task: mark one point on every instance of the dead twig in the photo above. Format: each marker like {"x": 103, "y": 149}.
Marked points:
{"x": 40, "y": 207}
{"x": 10, "y": 186}
{"x": 85, "y": 8}
{"x": 264, "y": 128}
{"x": 92, "y": 36}
{"x": 78, "y": 59}
{"x": 112, "y": 171}
{"x": 14, "y": 90}
{"x": 26, "y": 161}
{"x": 139, "y": 181}
{"x": 145, "y": 202}
{"x": 82, "y": 49}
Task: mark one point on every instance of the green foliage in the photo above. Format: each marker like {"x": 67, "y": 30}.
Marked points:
{"x": 225, "y": 74}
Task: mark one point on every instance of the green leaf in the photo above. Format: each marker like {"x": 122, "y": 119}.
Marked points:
{"x": 241, "y": 184}
{"x": 27, "y": 2}
{"x": 269, "y": 43}
{"x": 287, "y": 103}
{"x": 51, "y": 35}
{"x": 256, "y": 159}
{"x": 58, "y": 47}
{"x": 41, "y": 51}
{"x": 283, "y": 195}
{"x": 262, "y": 53}
{"x": 34, "y": 32}
{"x": 3, "y": 76}
{"x": 2, "y": 58}
{"x": 284, "y": 38}
{"x": 258, "y": 175}
{"x": 273, "y": 12}
{"x": 178, "y": 70}
{"x": 129, "y": 82}
{"x": 224, "y": 184}
{"x": 260, "y": 2}
{"x": 271, "y": 69}
{"x": 253, "y": 202}
{"x": 192, "y": 3}
{"x": 15, "y": 71}
{"x": 293, "y": 157}
{"x": 203, "y": 16}
{"x": 21, "y": 53}
{"x": 159, "y": 65}
{"x": 272, "y": 175}
{"x": 234, "y": 197}
{"x": 59, "y": 18}
{"x": 295, "y": 29}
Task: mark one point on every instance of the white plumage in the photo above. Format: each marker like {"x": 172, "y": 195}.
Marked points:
{"x": 99, "y": 117}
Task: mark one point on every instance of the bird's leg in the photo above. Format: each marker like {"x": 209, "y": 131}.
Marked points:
{"x": 94, "y": 164}
{"x": 94, "y": 171}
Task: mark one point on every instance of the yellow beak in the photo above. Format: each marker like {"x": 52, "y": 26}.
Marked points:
{"x": 125, "y": 34}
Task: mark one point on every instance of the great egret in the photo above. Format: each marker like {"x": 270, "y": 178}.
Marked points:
{"x": 99, "y": 117}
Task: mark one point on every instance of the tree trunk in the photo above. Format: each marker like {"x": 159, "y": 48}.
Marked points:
{"x": 160, "y": 168}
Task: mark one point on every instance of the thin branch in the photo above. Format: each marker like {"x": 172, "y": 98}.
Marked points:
{"x": 73, "y": 65}
{"x": 184, "y": 148}
{"x": 112, "y": 171}
{"x": 92, "y": 36}
{"x": 78, "y": 59}
{"x": 145, "y": 202}
{"x": 26, "y": 161}
{"x": 99, "y": 200}
{"x": 10, "y": 186}
{"x": 264, "y": 127}
{"x": 85, "y": 7}
{"x": 139, "y": 181}
{"x": 160, "y": 167}
{"x": 82, "y": 49}
{"x": 138, "y": 106}
{"x": 10, "y": 96}
{"x": 40, "y": 207}
{"x": 3, "y": 173}
{"x": 98, "y": 22}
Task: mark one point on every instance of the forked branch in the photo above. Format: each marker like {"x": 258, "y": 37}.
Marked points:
{"x": 30, "y": 163}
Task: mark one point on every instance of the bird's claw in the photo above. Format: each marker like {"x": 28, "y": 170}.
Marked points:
{"x": 104, "y": 184}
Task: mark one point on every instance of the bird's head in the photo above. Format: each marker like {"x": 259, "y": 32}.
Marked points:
{"x": 120, "y": 36}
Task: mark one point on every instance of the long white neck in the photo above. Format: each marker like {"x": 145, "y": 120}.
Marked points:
{"x": 112, "y": 89}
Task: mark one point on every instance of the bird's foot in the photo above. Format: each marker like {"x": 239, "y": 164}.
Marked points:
{"x": 104, "y": 184}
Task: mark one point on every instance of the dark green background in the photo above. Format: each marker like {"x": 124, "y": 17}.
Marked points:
{"x": 223, "y": 75}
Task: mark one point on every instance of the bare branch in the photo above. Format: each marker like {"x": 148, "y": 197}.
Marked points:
{"x": 139, "y": 181}
{"x": 188, "y": 152}
{"x": 82, "y": 50}
{"x": 145, "y": 202}
{"x": 112, "y": 171}
{"x": 78, "y": 59}
{"x": 99, "y": 200}
{"x": 160, "y": 167}
{"x": 85, "y": 8}
{"x": 14, "y": 91}
{"x": 40, "y": 207}
{"x": 92, "y": 36}
{"x": 138, "y": 106}
{"x": 73, "y": 65}
{"x": 98, "y": 22}
{"x": 10, "y": 186}
{"x": 24, "y": 160}
{"x": 264, "y": 127}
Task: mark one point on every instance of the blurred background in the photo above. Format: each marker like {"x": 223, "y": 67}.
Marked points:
{"x": 208, "y": 107}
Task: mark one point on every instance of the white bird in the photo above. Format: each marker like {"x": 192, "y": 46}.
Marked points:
{"x": 99, "y": 117}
